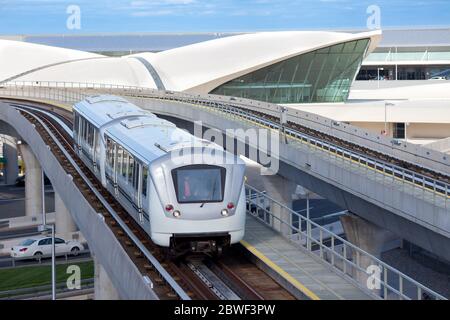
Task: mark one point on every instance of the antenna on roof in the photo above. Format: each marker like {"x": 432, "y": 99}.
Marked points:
{"x": 160, "y": 147}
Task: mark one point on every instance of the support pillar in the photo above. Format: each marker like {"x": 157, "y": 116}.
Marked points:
{"x": 63, "y": 220}
{"x": 279, "y": 189}
{"x": 33, "y": 182}
{"x": 368, "y": 237}
{"x": 12, "y": 166}
{"x": 103, "y": 287}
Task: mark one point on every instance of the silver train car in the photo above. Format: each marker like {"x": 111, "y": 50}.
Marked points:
{"x": 186, "y": 193}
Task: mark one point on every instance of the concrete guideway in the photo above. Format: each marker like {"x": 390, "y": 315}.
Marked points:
{"x": 422, "y": 217}
{"x": 121, "y": 270}
{"x": 184, "y": 104}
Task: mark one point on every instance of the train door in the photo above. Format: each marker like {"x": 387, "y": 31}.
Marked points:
{"x": 137, "y": 187}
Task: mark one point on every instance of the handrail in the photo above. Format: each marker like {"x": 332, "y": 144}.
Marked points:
{"x": 339, "y": 262}
{"x": 421, "y": 181}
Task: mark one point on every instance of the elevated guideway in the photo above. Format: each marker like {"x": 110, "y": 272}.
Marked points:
{"x": 313, "y": 160}
{"x": 396, "y": 185}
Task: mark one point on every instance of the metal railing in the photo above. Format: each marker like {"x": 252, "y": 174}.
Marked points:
{"x": 39, "y": 258}
{"x": 365, "y": 270}
{"x": 44, "y": 289}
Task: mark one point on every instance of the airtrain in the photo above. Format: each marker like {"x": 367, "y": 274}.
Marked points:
{"x": 187, "y": 193}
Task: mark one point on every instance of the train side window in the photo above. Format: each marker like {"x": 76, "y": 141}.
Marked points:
{"x": 110, "y": 152}
{"x": 90, "y": 135}
{"x": 144, "y": 180}
{"x": 124, "y": 164}
{"x": 83, "y": 129}
{"x": 130, "y": 169}
{"x": 136, "y": 176}
{"x": 119, "y": 158}
{"x": 76, "y": 123}
{"x": 113, "y": 154}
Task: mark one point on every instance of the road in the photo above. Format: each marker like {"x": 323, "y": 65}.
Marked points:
{"x": 12, "y": 201}
{"x": 19, "y": 233}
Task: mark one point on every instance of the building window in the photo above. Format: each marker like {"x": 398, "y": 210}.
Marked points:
{"x": 323, "y": 75}
{"x": 399, "y": 131}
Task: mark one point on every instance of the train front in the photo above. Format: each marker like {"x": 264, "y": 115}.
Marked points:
{"x": 197, "y": 196}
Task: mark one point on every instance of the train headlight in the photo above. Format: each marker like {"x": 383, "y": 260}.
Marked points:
{"x": 176, "y": 213}
{"x": 224, "y": 212}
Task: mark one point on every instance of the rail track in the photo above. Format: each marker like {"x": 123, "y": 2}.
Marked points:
{"x": 196, "y": 277}
{"x": 331, "y": 143}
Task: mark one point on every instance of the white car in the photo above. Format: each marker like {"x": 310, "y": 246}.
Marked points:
{"x": 42, "y": 246}
{"x": 438, "y": 78}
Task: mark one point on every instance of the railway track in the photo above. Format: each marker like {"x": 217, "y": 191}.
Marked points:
{"x": 197, "y": 277}
{"x": 299, "y": 131}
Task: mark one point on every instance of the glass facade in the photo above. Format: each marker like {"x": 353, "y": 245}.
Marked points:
{"x": 323, "y": 75}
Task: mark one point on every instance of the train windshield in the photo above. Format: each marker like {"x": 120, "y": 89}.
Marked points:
{"x": 199, "y": 184}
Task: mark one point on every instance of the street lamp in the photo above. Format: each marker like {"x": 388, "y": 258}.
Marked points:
{"x": 378, "y": 76}
{"x": 44, "y": 228}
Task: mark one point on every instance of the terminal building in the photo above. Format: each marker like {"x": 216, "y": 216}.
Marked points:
{"x": 313, "y": 71}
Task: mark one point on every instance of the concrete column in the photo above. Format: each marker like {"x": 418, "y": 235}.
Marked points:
{"x": 368, "y": 237}
{"x": 103, "y": 287}
{"x": 33, "y": 182}
{"x": 64, "y": 222}
{"x": 12, "y": 166}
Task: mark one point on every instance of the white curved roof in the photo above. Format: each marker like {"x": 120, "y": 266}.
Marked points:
{"x": 203, "y": 66}
{"x": 108, "y": 70}
{"x": 18, "y": 57}
{"x": 198, "y": 68}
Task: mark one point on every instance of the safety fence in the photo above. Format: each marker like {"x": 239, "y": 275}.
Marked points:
{"x": 365, "y": 270}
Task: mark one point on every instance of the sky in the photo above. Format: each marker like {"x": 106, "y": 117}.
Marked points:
{"x": 126, "y": 16}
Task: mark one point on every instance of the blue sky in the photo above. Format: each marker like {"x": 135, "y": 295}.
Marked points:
{"x": 49, "y": 16}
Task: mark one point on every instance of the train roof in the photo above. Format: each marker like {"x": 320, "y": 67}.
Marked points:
{"x": 140, "y": 132}
{"x": 102, "y": 109}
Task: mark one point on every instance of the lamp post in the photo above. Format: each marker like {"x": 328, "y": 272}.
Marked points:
{"x": 44, "y": 219}
{"x": 378, "y": 76}
{"x": 44, "y": 228}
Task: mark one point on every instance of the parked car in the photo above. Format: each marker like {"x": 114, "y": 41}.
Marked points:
{"x": 438, "y": 78}
{"x": 41, "y": 246}
{"x": 20, "y": 181}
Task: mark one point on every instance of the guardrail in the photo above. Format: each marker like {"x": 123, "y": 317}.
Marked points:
{"x": 343, "y": 257}
{"x": 68, "y": 92}
{"x": 40, "y": 257}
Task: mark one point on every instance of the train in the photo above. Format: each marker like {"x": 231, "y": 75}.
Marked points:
{"x": 187, "y": 193}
